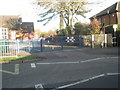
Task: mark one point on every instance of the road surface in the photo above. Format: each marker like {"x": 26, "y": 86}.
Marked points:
{"x": 80, "y": 68}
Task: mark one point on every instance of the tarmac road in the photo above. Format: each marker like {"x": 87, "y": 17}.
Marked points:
{"x": 62, "y": 68}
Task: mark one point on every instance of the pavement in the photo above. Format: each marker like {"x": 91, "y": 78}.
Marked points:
{"x": 97, "y": 68}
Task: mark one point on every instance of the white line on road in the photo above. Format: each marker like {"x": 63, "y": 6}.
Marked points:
{"x": 33, "y": 65}
{"x": 97, "y": 59}
{"x": 97, "y": 76}
{"x": 16, "y": 68}
{"x": 113, "y": 73}
{"x": 86, "y": 80}
{"x": 16, "y": 72}
{"x": 82, "y": 81}
{"x": 112, "y": 57}
{"x": 60, "y": 63}
{"x": 91, "y": 60}
{"x": 39, "y": 87}
{"x": 75, "y": 62}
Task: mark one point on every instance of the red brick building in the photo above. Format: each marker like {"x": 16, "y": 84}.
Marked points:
{"x": 11, "y": 23}
{"x": 15, "y": 26}
{"x": 109, "y": 17}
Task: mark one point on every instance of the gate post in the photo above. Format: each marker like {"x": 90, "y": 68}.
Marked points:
{"x": 105, "y": 40}
{"x": 41, "y": 47}
{"x": 18, "y": 48}
{"x": 80, "y": 41}
{"x": 32, "y": 43}
{"x": 61, "y": 41}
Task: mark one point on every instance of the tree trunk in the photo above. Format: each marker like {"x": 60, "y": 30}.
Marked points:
{"x": 61, "y": 21}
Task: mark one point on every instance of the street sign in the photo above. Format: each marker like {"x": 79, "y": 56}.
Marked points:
{"x": 70, "y": 39}
{"x": 114, "y": 26}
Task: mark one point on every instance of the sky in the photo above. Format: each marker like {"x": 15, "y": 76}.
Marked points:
{"x": 28, "y": 11}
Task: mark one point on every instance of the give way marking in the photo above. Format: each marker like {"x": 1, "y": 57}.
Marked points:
{"x": 33, "y": 65}
{"x": 60, "y": 63}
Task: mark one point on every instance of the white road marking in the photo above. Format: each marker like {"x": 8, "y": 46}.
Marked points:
{"x": 113, "y": 73}
{"x": 60, "y": 63}
{"x": 13, "y": 73}
{"x": 89, "y": 60}
{"x": 112, "y": 57}
{"x": 97, "y": 76}
{"x": 82, "y": 81}
{"x": 40, "y": 86}
{"x": 75, "y": 62}
{"x": 86, "y": 80}
{"x": 43, "y": 63}
{"x": 16, "y": 68}
{"x": 33, "y": 65}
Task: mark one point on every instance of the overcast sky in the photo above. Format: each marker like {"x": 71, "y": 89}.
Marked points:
{"x": 27, "y": 10}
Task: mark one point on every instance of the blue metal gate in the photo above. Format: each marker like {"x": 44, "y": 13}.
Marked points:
{"x": 65, "y": 42}
{"x": 62, "y": 42}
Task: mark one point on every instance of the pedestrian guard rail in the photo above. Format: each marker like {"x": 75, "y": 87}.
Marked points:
{"x": 9, "y": 48}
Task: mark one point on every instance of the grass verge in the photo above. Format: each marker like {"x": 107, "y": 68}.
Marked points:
{"x": 7, "y": 59}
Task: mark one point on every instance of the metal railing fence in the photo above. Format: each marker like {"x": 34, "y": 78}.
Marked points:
{"x": 9, "y": 48}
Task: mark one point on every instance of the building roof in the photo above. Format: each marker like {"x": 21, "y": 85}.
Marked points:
{"x": 112, "y": 9}
{"x": 28, "y": 26}
{"x": 6, "y": 20}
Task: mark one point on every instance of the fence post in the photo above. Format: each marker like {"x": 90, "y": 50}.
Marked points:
{"x": 62, "y": 37}
{"x": 80, "y": 41}
{"x": 32, "y": 41}
{"x": 29, "y": 48}
{"x": 18, "y": 48}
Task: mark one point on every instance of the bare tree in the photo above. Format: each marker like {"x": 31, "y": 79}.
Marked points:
{"x": 67, "y": 10}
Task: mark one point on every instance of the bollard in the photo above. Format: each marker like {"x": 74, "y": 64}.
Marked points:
{"x": 102, "y": 44}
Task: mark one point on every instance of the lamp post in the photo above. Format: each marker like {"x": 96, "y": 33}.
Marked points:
{"x": 114, "y": 36}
